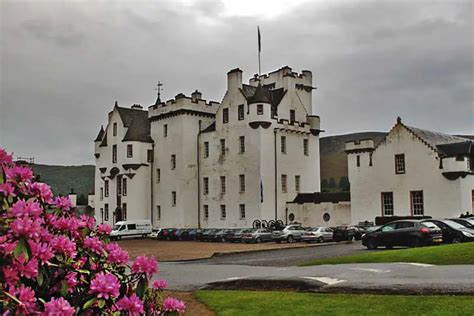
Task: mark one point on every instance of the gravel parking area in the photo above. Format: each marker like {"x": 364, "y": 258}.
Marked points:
{"x": 187, "y": 250}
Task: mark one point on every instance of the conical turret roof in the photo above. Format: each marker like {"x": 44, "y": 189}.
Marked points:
{"x": 260, "y": 96}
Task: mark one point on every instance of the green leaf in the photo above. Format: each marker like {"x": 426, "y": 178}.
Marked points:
{"x": 40, "y": 278}
{"x": 101, "y": 303}
{"x": 89, "y": 303}
{"x": 64, "y": 288}
{"x": 142, "y": 285}
{"x": 21, "y": 248}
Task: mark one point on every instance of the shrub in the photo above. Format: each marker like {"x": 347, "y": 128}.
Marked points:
{"x": 55, "y": 263}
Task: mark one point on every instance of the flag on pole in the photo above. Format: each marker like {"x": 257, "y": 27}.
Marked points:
{"x": 261, "y": 191}
{"x": 259, "y": 40}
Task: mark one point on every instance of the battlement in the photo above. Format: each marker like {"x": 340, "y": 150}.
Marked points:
{"x": 363, "y": 145}
{"x": 283, "y": 77}
{"x": 183, "y": 102}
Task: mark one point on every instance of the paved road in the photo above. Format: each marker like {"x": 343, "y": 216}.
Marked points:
{"x": 366, "y": 278}
{"x": 287, "y": 257}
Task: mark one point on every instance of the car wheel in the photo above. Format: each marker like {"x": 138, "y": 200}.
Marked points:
{"x": 371, "y": 245}
{"x": 290, "y": 239}
{"x": 456, "y": 240}
{"x": 320, "y": 239}
{"x": 278, "y": 241}
{"x": 258, "y": 240}
{"x": 415, "y": 243}
{"x": 389, "y": 247}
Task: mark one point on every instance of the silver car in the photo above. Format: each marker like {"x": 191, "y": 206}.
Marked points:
{"x": 290, "y": 233}
{"x": 257, "y": 235}
{"x": 318, "y": 234}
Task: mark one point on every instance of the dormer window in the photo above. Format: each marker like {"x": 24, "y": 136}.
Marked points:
{"x": 225, "y": 115}
{"x": 292, "y": 116}
{"x": 241, "y": 112}
{"x": 114, "y": 130}
{"x": 129, "y": 151}
{"x": 259, "y": 109}
{"x": 400, "y": 164}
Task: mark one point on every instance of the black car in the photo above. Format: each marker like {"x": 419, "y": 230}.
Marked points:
{"x": 408, "y": 233}
{"x": 220, "y": 235}
{"x": 236, "y": 235}
{"x": 342, "y": 233}
{"x": 467, "y": 222}
{"x": 453, "y": 232}
{"x": 208, "y": 234}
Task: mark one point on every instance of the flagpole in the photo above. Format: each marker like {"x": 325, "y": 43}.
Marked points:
{"x": 259, "y": 49}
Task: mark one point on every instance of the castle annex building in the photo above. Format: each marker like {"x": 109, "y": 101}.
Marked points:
{"x": 187, "y": 162}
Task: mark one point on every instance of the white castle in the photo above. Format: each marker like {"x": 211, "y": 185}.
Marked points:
{"x": 187, "y": 162}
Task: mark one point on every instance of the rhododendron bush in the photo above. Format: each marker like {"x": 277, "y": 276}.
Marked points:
{"x": 55, "y": 263}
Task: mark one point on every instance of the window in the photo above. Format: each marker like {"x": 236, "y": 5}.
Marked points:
{"x": 292, "y": 116}
{"x": 297, "y": 183}
{"x": 242, "y": 183}
{"x": 149, "y": 155}
{"x": 223, "y": 212}
{"x": 472, "y": 199}
{"x": 283, "y": 183}
{"x": 225, "y": 115}
{"x": 400, "y": 163}
{"x": 283, "y": 144}
{"x": 242, "y": 211}
{"x": 101, "y": 194}
{"x": 370, "y": 160}
{"x": 106, "y": 212}
{"x": 106, "y": 186}
{"x": 387, "y": 203}
{"x": 165, "y": 130}
{"x": 124, "y": 211}
{"x": 358, "y": 160}
{"x": 129, "y": 151}
{"x": 305, "y": 147}
{"x": 158, "y": 212}
{"x": 206, "y": 149}
{"x": 173, "y": 162}
{"x": 259, "y": 109}
{"x": 206, "y": 211}
{"x": 158, "y": 175}
{"x": 114, "y": 153}
{"x": 131, "y": 226}
{"x": 115, "y": 129}
{"x": 124, "y": 187}
{"x": 173, "y": 198}
{"x": 222, "y": 147}
{"x": 119, "y": 186}
{"x": 206, "y": 185}
{"x": 241, "y": 112}
{"x": 417, "y": 203}
{"x": 241, "y": 144}
{"x": 222, "y": 185}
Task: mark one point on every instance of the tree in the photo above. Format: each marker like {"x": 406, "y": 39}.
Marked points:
{"x": 344, "y": 184}
{"x": 332, "y": 183}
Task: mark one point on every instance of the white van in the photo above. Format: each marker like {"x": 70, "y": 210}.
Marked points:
{"x": 131, "y": 228}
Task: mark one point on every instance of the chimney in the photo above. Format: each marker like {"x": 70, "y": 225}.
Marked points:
{"x": 137, "y": 107}
{"x": 234, "y": 79}
{"x": 196, "y": 95}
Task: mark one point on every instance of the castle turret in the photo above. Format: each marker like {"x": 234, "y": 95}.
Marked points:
{"x": 259, "y": 108}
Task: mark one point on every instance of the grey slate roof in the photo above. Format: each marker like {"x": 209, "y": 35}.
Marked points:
{"x": 100, "y": 135}
{"x": 319, "y": 197}
{"x": 137, "y": 123}
{"x": 274, "y": 95}
{"x": 457, "y": 149}
{"x": 210, "y": 128}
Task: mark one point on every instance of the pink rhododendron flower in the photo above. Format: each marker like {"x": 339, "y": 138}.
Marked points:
{"x": 116, "y": 254}
{"x": 27, "y": 298}
{"x": 27, "y": 269}
{"x": 63, "y": 202}
{"x": 64, "y": 245}
{"x": 7, "y": 189}
{"x": 133, "y": 305}
{"x": 42, "y": 251}
{"x": 87, "y": 221}
{"x": 171, "y": 304}
{"x": 160, "y": 284}
{"x": 94, "y": 244}
{"x": 104, "y": 229}
{"x": 5, "y": 158}
{"x": 19, "y": 174}
{"x": 26, "y": 227}
{"x": 71, "y": 279}
{"x": 144, "y": 265}
{"x": 58, "y": 307}
{"x": 23, "y": 208}
{"x": 41, "y": 191}
{"x": 105, "y": 285}
{"x": 11, "y": 275}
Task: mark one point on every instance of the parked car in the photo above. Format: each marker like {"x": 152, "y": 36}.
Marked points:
{"x": 409, "y": 233}
{"x": 453, "y": 232}
{"x": 181, "y": 234}
{"x": 318, "y": 234}
{"x": 342, "y": 233}
{"x": 290, "y": 233}
{"x": 220, "y": 235}
{"x": 208, "y": 234}
{"x": 257, "y": 235}
{"x": 194, "y": 234}
{"x": 167, "y": 233}
{"x": 236, "y": 235}
{"x": 154, "y": 233}
{"x": 467, "y": 222}
{"x": 131, "y": 228}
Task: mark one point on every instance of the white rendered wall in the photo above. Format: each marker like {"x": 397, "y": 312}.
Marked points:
{"x": 311, "y": 214}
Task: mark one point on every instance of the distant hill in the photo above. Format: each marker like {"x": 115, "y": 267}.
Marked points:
{"x": 334, "y": 159}
{"x": 64, "y": 178}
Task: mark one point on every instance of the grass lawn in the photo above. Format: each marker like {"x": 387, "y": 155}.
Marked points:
{"x": 226, "y": 303}
{"x": 444, "y": 254}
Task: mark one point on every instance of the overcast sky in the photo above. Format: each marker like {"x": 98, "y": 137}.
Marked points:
{"x": 64, "y": 63}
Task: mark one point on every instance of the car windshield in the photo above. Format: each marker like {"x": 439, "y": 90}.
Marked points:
{"x": 454, "y": 225}
{"x": 117, "y": 227}
{"x": 314, "y": 229}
